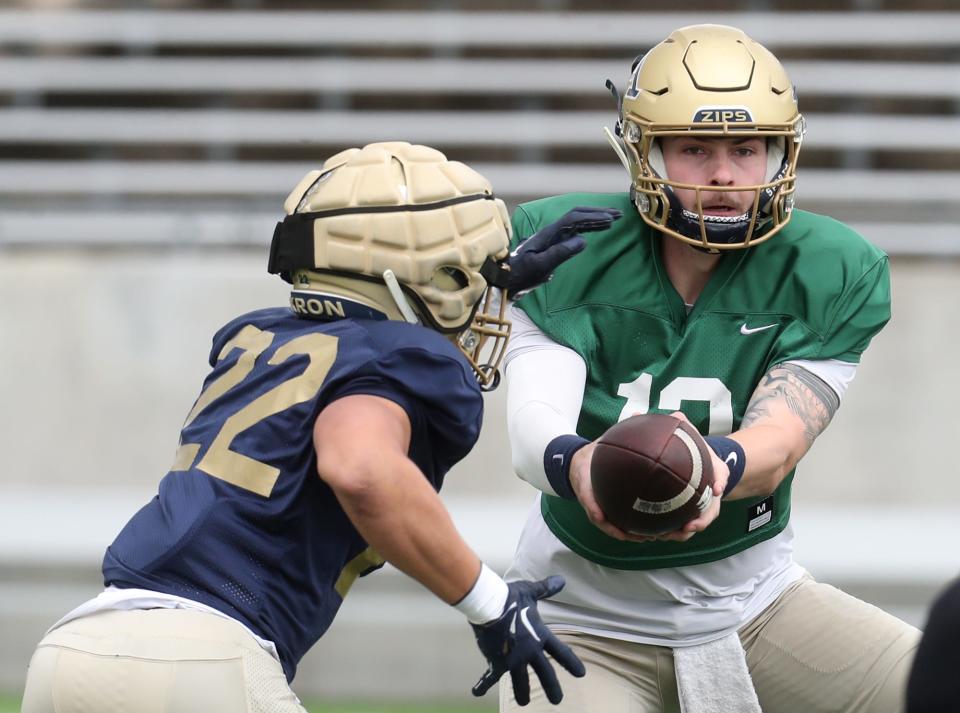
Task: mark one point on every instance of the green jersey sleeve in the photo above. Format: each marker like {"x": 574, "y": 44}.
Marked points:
{"x": 859, "y": 315}
{"x": 850, "y": 320}
{"x": 523, "y": 227}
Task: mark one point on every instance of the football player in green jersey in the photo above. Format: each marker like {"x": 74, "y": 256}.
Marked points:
{"x": 715, "y": 297}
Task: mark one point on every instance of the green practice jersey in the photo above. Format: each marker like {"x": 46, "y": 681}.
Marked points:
{"x": 815, "y": 291}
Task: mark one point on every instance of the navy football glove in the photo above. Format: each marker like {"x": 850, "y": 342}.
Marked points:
{"x": 518, "y": 639}
{"x": 535, "y": 259}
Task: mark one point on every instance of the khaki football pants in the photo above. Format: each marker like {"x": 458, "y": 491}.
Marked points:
{"x": 814, "y": 650}
{"x": 155, "y": 661}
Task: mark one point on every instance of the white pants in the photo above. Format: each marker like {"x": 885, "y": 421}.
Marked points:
{"x": 155, "y": 661}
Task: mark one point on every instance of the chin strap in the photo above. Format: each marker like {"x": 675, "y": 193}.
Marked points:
{"x": 400, "y": 299}
{"x": 617, "y": 146}
{"x": 720, "y": 229}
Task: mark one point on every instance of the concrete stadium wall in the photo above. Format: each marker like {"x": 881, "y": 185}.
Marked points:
{"x": 102, "y": 355}
{"x": 104, "y": 352}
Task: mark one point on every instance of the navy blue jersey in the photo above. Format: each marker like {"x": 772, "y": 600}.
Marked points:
{"x": 242, "y": 521}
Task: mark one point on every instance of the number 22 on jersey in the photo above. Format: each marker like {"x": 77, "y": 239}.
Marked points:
{"x": 219, "y": 460}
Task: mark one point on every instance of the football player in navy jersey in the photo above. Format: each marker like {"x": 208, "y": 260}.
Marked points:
{"x": 315, "y": 449}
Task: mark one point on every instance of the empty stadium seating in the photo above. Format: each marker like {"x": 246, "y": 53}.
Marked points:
{"x": 194, "y": 123}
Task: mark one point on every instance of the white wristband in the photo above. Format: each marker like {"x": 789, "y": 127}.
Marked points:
{"x": 486, "y": 600}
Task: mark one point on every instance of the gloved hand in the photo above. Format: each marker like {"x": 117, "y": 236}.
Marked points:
{"x": 535, "y": 259}
{"x": 518, "y": 638}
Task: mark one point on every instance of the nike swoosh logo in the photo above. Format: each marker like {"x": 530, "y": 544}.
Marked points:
{"x": 744, "y": 329}
{"x": 559, "y": 459}
{"x": 526, "y": 623}
{"x": 731, "y": 459}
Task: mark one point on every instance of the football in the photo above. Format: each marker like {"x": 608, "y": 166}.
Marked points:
{"x": 652, "y": 474}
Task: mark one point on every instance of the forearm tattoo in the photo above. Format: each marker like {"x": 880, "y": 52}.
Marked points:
{"x": 806, "y": 395}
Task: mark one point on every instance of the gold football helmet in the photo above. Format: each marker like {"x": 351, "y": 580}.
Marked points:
{"x": 396, "y": 231}
{"x": 709, "y": 81}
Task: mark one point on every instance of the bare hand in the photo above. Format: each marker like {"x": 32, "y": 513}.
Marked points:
{"x": 720, "y": 475}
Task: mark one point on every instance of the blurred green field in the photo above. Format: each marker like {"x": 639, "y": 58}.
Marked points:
{"x": 11, "y": 704}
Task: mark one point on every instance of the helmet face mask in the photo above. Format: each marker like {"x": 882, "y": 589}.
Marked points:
{"x": 397, "y": 231}
{"x": 710, "y": 82}
{"x": 484, "y": 342}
